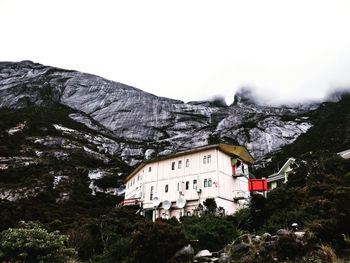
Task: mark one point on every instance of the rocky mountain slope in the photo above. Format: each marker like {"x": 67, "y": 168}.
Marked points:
{"x": 60, "y": 127}
{"x": 161, "y": 125}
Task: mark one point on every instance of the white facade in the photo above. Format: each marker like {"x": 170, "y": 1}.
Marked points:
{"x": 281, "y": 177}
{"x": 193, "y": 176}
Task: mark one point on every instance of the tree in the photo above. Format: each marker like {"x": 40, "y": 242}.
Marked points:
{"x": 156, "y": 242}
{"x": 210, "y": 206}
{"x": 212, "y": 232}
{"x": 257, "y": 207}
{"x": 30, "y": 242}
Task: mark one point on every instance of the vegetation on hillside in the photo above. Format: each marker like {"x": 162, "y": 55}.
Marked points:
{"x": 31, "y": 243}
{"x": 316, "y": 195}
{"x": 330, "y": 132}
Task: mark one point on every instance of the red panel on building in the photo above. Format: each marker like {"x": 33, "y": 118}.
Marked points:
{"x": 257, "y": 185}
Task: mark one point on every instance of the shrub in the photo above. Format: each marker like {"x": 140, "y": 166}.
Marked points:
{"x": 212, "y": 232}
{"x": 156, "y": 242}
{"x": 32, "y": 243}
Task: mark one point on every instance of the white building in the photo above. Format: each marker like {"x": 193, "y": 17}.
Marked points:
{"x": 280, "y": 177}
{"x": 175, "y": 185}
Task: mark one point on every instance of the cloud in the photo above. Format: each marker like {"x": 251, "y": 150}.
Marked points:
{"x": 189, "y": 50}
{"x": 336, "y": 94}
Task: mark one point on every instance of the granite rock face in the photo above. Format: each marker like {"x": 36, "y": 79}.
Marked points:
{"x": 157, "y": 125}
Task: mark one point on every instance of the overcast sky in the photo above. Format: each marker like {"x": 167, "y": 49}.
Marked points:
{"x": 188, "y": 50}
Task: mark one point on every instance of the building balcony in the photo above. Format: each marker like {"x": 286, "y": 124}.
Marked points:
{"x": 130, "y": 201}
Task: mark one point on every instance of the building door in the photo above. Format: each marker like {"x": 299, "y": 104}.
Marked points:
{"x": 149, "y": 214}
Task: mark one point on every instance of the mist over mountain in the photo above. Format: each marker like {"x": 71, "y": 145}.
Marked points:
{"x": 245, "y": 96}
{"x": 337, "y": 94}
{"x": 165, "y": 125}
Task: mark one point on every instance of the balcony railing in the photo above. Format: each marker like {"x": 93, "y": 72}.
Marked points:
{"x": 258, "y": 185}
{"x": 130, "y": 201}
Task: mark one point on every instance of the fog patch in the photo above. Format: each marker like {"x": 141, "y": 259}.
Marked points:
{"x": 335, "y": 95}
{"x": 246, "y": 95}
{"x": 218, "y": 101}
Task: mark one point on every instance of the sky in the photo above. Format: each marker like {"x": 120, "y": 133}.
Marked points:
{"x": 287, "y": 51}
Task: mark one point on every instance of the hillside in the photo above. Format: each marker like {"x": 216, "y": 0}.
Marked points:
{"x": 68, "y": 139}
{"x": 63, "y": 132}
{"x": 330, "y": 132}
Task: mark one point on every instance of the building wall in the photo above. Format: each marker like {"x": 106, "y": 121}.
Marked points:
{"x": 160, "y": 174}
{"x": 229, "y": 186}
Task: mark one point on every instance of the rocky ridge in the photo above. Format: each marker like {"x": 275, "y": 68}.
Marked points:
{"x": 160, "y": 124}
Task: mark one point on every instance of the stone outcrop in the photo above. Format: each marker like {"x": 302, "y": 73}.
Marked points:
{"x": 285, "y": 246}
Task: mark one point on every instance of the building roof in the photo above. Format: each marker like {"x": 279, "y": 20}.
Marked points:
{"x": 232, "y": 150}
{"x": 278, "y": 176}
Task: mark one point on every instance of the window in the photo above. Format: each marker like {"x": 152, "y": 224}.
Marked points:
{"x": 206, "y": 159}
{"x": 187, "y": 163}
{"x": 173, "y": 166}
{"x": 209, "y": 159}
{"x": 149, "y": 169}
{"x": 179, "y": 186}
{"x": 188, "y": 213}
{"x": 179, "y": 165}
{"x": 166, "y": 188}
{"x": 151, "y": 193}
{"x": 208, "y": 182}
{"x": 194, "y": 184}
{"x": 187, "y": 185}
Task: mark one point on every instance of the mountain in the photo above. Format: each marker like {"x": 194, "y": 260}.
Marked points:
{"x": 68, "y": 139}
{"x": 330, "y": 132}
{"x": 160, "y": 124}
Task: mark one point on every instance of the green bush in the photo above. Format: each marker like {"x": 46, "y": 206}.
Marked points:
{"x": 156, "y": 242}
{"x": 32, "y": 243}
{"x": 212, "y": 232}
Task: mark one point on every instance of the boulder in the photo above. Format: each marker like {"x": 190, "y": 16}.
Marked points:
{"x": 185, "y": 254}
{"x": 203, "y": 253}
{"x": 300, "y": 234}
{"x": 266, "y": 237}
{"x": 246, "y": 238}
{"x": 240, "y": 248}
{"x": 283, "y": 232}
{"x": 224, "y": 258}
